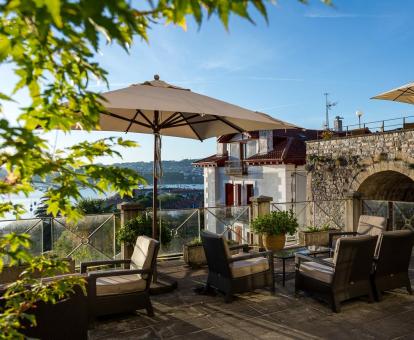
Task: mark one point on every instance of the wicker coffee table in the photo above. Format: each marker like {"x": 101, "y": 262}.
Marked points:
{"x": 289, "y": 253}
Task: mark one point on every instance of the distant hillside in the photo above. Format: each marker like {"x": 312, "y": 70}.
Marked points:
{"x": 175, "y": 172}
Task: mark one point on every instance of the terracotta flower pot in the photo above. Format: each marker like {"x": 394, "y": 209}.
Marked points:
{"x": 274, "y": 242}
{"x": 194, "y": 255}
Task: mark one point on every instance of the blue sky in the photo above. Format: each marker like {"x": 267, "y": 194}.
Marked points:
{"x": 353, "y": 51}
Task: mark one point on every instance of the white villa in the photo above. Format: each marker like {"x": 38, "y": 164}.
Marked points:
{"x": 259, "y": 163}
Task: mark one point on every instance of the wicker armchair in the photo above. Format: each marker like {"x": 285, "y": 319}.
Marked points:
{"x": 392, "y": 261}
{"x": 347, "y": 276}
{"x": 66, "y": 319}
{"x": 123, "y": 290}
{"x": 232, "y": 274}
{"x": 367, "y": 225}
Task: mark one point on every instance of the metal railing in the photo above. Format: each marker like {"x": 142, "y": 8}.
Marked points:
{"x": 232, "y": 221}
{"x": 315, "y": 213}
{"x": 399, "y": 215}
{"x": 91, "y": 238}
{"x": 406, "y": 122}
{"x": 235, "y": 168}
{"x": 94, "y": 236}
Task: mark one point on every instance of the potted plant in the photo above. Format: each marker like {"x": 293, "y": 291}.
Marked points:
{"x": 315, "y": 236}
{"x": 193, "y": 253}
{"x": 274, "y": 227}
{"x": 141, "y": 225}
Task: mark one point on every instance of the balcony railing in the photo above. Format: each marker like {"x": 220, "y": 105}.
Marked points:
{"x": 235, "y": 168}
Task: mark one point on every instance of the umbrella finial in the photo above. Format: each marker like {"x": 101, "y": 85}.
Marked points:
{"x": 156, "y": 77}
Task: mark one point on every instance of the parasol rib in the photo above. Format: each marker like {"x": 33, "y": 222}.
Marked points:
{"x": 177, "y": 121}
{"x": 174, "y": 116}
{"x": 127, "y": 119}
{"x": 146, "y": 118}
{"x": 183, "y": 123}
{"x": 234, "y": 126}
{"x": 189, "y": 124}
{"x": 131, "y": 122}
{"x": 402, "y": 93}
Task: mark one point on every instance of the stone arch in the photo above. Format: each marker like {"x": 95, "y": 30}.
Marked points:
{"x": 386, "y": 180}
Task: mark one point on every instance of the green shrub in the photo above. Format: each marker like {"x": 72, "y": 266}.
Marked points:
{"x": 141, "y": 225}
{"x": 312, "y": 229}
{"x": 315, "y": 229}
{"x": 275, "y": 223}
{"x": 196, "y": 241}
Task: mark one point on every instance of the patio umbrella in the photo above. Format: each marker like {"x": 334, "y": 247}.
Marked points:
{"x": 403, "y": 94}
{"x": 158, "y": 108}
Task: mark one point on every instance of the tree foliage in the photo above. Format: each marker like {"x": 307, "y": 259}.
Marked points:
{"x": 51, "y": 44}
{"x": 22, "y": 296}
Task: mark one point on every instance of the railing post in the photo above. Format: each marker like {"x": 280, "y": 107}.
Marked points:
{"x": 199, "y": 223}
{"x": 114, "y": 231}
{"x": 260, "y": 207}
{"x": 353, "y": 210}
{"x": 129, "y": 211}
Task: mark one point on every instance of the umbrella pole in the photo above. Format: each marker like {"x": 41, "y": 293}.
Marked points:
{"x": 154, "y": 193}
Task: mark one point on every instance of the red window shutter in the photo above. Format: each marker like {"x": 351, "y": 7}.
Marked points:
{"x": 229, "y": 194}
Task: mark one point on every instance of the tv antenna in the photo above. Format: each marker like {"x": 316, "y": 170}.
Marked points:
{"x": 328, "y": 106}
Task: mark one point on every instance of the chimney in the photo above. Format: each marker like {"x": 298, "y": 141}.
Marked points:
{"x": 265, "y": 141}
{"x": 338, "y": 124}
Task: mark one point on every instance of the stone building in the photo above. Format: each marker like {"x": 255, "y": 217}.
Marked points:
{"x": 371, "y": 173}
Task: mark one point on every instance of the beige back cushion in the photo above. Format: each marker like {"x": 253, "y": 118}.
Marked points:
{"x": 371, "y": 225}
{"x": 143, "y": 253}
{"x": 335, "y": 256}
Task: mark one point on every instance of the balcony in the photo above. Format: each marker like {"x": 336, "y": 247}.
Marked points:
{"x": 235, "y": 168}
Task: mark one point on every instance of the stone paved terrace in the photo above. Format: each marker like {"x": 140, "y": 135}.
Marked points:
{"x": 183, "y": 314}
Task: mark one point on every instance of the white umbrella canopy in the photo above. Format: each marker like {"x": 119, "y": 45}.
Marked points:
{"x": 159, "y": 108}
{"x": 175, "y": 111}
{"x": 404, "y": 94}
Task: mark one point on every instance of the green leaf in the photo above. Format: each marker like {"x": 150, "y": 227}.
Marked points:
{"x": 5, "y": 47}
{"x": 5, "y": 97}
{"x": 53, "y": 7}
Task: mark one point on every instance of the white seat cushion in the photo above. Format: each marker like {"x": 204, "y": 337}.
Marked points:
{"x": 249, "y": 266}
{"x": 317, "y": 271}
{"x": 111, "y": 285}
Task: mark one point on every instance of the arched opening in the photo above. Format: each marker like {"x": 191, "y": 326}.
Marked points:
{"x": 388, "y": 186}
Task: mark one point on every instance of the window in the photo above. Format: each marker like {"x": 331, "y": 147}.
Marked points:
{"x": 249, "y": 192}
{"x": 229, "y": 194}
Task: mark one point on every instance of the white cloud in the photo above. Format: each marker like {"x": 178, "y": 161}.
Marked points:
{"x": 339, "y": 15}
{"x": 330, "y": 15}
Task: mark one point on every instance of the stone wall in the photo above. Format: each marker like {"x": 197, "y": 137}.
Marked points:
{"x": 337, "y": 167}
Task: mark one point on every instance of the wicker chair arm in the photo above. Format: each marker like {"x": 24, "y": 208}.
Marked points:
{"x": 251, "y": 256}
{"x": 301, "y": 257}
{"x": 108, "y": 273}
{"x": 244, "y": 246}
{"x": 340, "y": 233}
{"x": 85, "y": 265}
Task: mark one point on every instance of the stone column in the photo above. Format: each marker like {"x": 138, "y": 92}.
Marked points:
{"x": 353, "y": 210}
{"x": 260, "y": 207}
{"x": 129, "y": 210}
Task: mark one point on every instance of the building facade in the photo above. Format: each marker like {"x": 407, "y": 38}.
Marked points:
{"x": 259, "y": 163}
{"x": 374, "y": 170}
